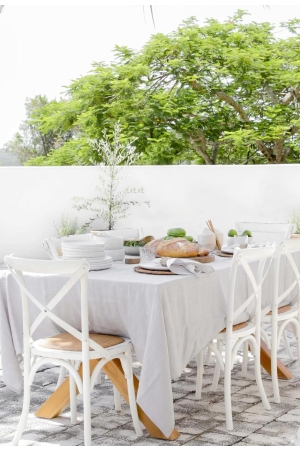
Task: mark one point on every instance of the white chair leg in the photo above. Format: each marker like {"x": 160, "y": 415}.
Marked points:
{"x": 227, "y": 394}
{"x": 117, "y": 398}
{"x": 87, "y": 403}
{"x": 24, "y": 415}
{"x": 259, "y": 380}
{"x": 131, "y": 397}
{"x": 298, "y": 342}
{"x": 265, "y": 337}
{"x": 199, "y": 360}
{"x": 208, "y": 355}
{"x": 245, "y": 359}
{"x": 287, "y": 345}
{"x": 216, "y": 378}
{"x": 73, "y": 400}
{"x": 274, "y": 370}
{"x": 61, "y": 377}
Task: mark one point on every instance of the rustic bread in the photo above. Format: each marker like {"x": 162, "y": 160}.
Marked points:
{"x": 153, "y": 244}
{"x": 177, "y": 248}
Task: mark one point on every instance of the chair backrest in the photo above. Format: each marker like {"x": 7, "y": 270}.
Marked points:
{"x": 252, "y": 263}
{"x": 77, "y": 270}
{"x": 263, "y": 232}
{"x": 53, "y": 245}
{"x": 286, "y": 286}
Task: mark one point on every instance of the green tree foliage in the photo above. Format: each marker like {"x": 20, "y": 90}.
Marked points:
{"x": 30, "y": 141}
{"x": 222, "y": 93}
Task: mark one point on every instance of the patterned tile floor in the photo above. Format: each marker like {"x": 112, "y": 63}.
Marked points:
{"x": 199, "y": 422}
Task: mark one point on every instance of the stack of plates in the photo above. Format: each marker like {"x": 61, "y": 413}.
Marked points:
{"x": 92, "y": 251}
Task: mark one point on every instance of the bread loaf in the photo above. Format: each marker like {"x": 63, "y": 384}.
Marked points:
{"x": 153, "y": 244}
{"x": 177, "y": 248}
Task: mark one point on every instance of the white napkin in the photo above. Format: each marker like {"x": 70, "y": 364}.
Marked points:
{"x": 188, "y": 266}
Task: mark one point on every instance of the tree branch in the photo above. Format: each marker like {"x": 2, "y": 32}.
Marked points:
{"x": 294, "y": 93}
{"x": 215, "y": 150}
{"x": 278, "y": 149}
{"x": 230, "y": 101}
{"x": 265, "y": 151}
{"x": 226, "y": 98}
{"x": 199, "y": 145}
{"x": 271, "y": 94}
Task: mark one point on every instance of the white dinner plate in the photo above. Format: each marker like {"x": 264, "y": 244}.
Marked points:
{"x": 82, "y": 244}
{"x": 228, "y": 250}
{"x": 88, "y": 254}
{"x": 153, "y": 266}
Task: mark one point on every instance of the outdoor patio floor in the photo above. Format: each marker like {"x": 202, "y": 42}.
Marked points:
{"x": 199, "y": 422}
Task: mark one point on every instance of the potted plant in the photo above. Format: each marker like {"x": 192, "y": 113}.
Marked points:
{"x": 112, "y": 203}
{"x": 295, "y": 219}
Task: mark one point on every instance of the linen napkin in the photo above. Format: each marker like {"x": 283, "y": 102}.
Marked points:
{"x": 188, "y": 266}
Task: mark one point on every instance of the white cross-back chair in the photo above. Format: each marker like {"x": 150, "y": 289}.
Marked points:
{"x": 286, "y": 289}
{"x": 263, "y": 232}
{"x": 70, "y": 348}
{"x": 245, "y": 333}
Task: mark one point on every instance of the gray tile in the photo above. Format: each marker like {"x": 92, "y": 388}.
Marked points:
{"x": 264, "y": 440}
{"x": 240, "y": 428}
{"x": 219, "y": 438}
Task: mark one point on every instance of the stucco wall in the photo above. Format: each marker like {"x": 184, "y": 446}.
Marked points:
{"x": 31, "y": 198}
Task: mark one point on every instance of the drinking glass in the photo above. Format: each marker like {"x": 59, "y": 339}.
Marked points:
{"x": 241, "y": 241}
{"x": 147, "y": 254}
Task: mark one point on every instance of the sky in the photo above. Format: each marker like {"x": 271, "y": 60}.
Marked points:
{"x": 45, "y": 46}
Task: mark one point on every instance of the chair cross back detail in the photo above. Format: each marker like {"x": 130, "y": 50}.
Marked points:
{"x": 243, "y": 257}
{"x": 285, "y": 249}
{"x": 46, "y": 310}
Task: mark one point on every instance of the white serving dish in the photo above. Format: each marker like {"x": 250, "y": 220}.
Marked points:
{"x": 110, "y": 242}
{"x": 117, "y": 255}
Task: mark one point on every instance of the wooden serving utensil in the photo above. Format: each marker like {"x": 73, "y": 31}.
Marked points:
{"x": 211, "y": 227}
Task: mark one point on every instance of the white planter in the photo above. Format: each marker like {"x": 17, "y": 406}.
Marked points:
{"x": 230, "y": 241}
{"x": 133, "y": 251}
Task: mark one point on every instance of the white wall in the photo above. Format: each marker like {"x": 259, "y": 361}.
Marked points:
{"x": 31, "y": 198}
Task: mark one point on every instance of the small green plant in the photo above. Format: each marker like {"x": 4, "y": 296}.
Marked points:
{"x": 67, "y": 226}
{"x": 295, "y": 219}
{"x": 112, "y": 203}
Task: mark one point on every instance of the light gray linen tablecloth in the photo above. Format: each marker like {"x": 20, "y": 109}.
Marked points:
{"x": 168, "y": 318}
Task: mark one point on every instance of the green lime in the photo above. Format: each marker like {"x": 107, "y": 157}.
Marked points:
{"x": 232, "y": 233}
{"x": 189, "y": 238}
{"x": 247, "y": 233}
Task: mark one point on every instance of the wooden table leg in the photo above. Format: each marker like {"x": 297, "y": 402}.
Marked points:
{"x": 265, "y": 359}
{"x": 60, "y": 398}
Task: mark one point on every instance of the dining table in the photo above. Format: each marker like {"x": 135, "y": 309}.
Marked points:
{"x": 169, "y": 319}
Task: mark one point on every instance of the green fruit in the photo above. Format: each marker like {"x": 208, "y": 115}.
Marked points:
{"x": 165, "y": 238}
{"x": 247, "y": 233}
{"x": 189, "y": 238}
{"x": 176, "y": 232}
{"x": 232, "y": 233}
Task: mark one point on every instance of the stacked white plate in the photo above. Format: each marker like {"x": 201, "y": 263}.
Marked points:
{"x": 92, "y": 251}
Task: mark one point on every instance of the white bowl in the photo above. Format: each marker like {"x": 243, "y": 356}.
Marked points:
{"x": 135, "y": 251}
{"x": 117, "y": 255}
{"x": 110, "y": 242}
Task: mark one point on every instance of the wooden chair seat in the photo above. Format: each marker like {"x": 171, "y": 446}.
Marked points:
{"x": 68, "y": 342}
{"x": 281, "y": 310}
{"x": 236, "y": 327}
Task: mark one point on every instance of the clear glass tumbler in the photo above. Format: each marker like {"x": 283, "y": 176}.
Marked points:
{"x": 147, "y": 254}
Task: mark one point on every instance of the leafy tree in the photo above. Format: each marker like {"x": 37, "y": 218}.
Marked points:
{"x": 222, "y": 93}
{"x": 30, "y": 141}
